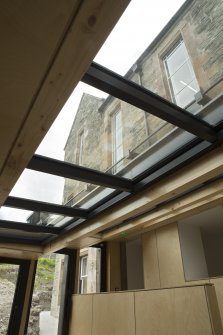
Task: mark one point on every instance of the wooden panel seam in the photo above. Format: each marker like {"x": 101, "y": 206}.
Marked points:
{"x": 213, "y": 309}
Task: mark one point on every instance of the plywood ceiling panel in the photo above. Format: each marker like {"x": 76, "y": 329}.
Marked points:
{"x": 47, "y": 47}
{"x": 30, "y": 32}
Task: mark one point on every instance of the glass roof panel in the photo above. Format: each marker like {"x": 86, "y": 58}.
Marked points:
{"x": 33, "y": 218}
{"x": 110, "y": 136}
{"x": 38, "y": 186}
{"x": 173, "y": 50}
{"x": 173, "y": 59}
{"x": 20, "y": 234}
{"x": 14, "y": 214}
{"x": 49, "y": 188}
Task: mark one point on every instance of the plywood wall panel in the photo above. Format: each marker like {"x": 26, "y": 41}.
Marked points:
{"x": 150, "y": 260}
{"x": 218, "y": 284}
{"x": 113, "y": 266}
{"x": 81, "y": 318}
{"x": 180, "y": 311}
{"x": 113, "y": 314}
{"x": 213, "y": 309}
{"x": 170, "y": 261}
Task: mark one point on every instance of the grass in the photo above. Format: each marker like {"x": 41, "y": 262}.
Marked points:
{"x": 44, "y": 273}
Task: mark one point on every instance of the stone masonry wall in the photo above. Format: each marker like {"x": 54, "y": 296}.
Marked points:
{"x": 88, "y": 121}
{"x": 200, "y": 26}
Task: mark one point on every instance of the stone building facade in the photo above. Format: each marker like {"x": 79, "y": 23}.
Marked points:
{"x": 193, "y": 41}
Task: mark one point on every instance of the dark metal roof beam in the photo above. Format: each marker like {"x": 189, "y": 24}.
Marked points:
{"x": 72, "y": 171}
{"x": 122, "y": 88}
{"x": 29, "y": 227}
{"x": 39, "y": 206}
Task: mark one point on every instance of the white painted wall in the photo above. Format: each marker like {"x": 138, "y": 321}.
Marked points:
{"x": 201, "y": 240}
{"x": 192, "y": 250}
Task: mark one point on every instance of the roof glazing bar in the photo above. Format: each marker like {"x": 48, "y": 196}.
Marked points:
{"x": 29, "y": 227}
{"x": 39, "y": 206}
{"x": 121, "y": 88}
{"x": 72, "y": 171}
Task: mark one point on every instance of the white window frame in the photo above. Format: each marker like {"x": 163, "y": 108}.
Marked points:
{"x": 80, "y": 147}
{"x": 82, "y": 276}
{"x": 115, "y": 148}
{"x": 188, "y": 61}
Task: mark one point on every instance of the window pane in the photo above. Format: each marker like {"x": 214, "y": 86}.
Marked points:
{"x": 181, "y": 79}
{"x": 84, "y": 285}
{"x": 119, "y": 153}
{"x": 83, "y": 266}
{"x": 118, "y": 138}
{"x": 176, "y": 58}
{"x": 186, "y": 95}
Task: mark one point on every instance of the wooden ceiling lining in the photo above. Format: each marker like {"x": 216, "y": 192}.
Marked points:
{"x": 30, "y": 33}
{"x": 33, "y": 108}
{"x": 211, "y": 166}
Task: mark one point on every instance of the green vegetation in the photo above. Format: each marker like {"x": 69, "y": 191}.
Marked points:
{"x": 9, "y": 272}
{"x": 44, "y": 273}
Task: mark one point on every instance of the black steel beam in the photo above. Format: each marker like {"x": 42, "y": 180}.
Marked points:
{"x": 20, "y": 240}
{"x": 19, "y": 298}
{"x": 122, "y": 88}
{"x": 72, "y": 171}
{"x": 164, "y": 168}
{"x": 29, "y": 227}
{"x": 30, "y": 296}
{"x": 67, "y": 291}
{"x": 39, "y": 206}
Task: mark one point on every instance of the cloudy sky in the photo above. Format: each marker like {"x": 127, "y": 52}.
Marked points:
{"x": 136, "y": 29}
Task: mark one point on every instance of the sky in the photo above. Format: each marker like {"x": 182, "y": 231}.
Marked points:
{"x": 136, "y": 29}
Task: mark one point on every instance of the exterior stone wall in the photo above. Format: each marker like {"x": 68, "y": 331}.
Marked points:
{"x": 88, "y": 121}
{"x": 199, "y": 25}
{"x": 56, "y": 292}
